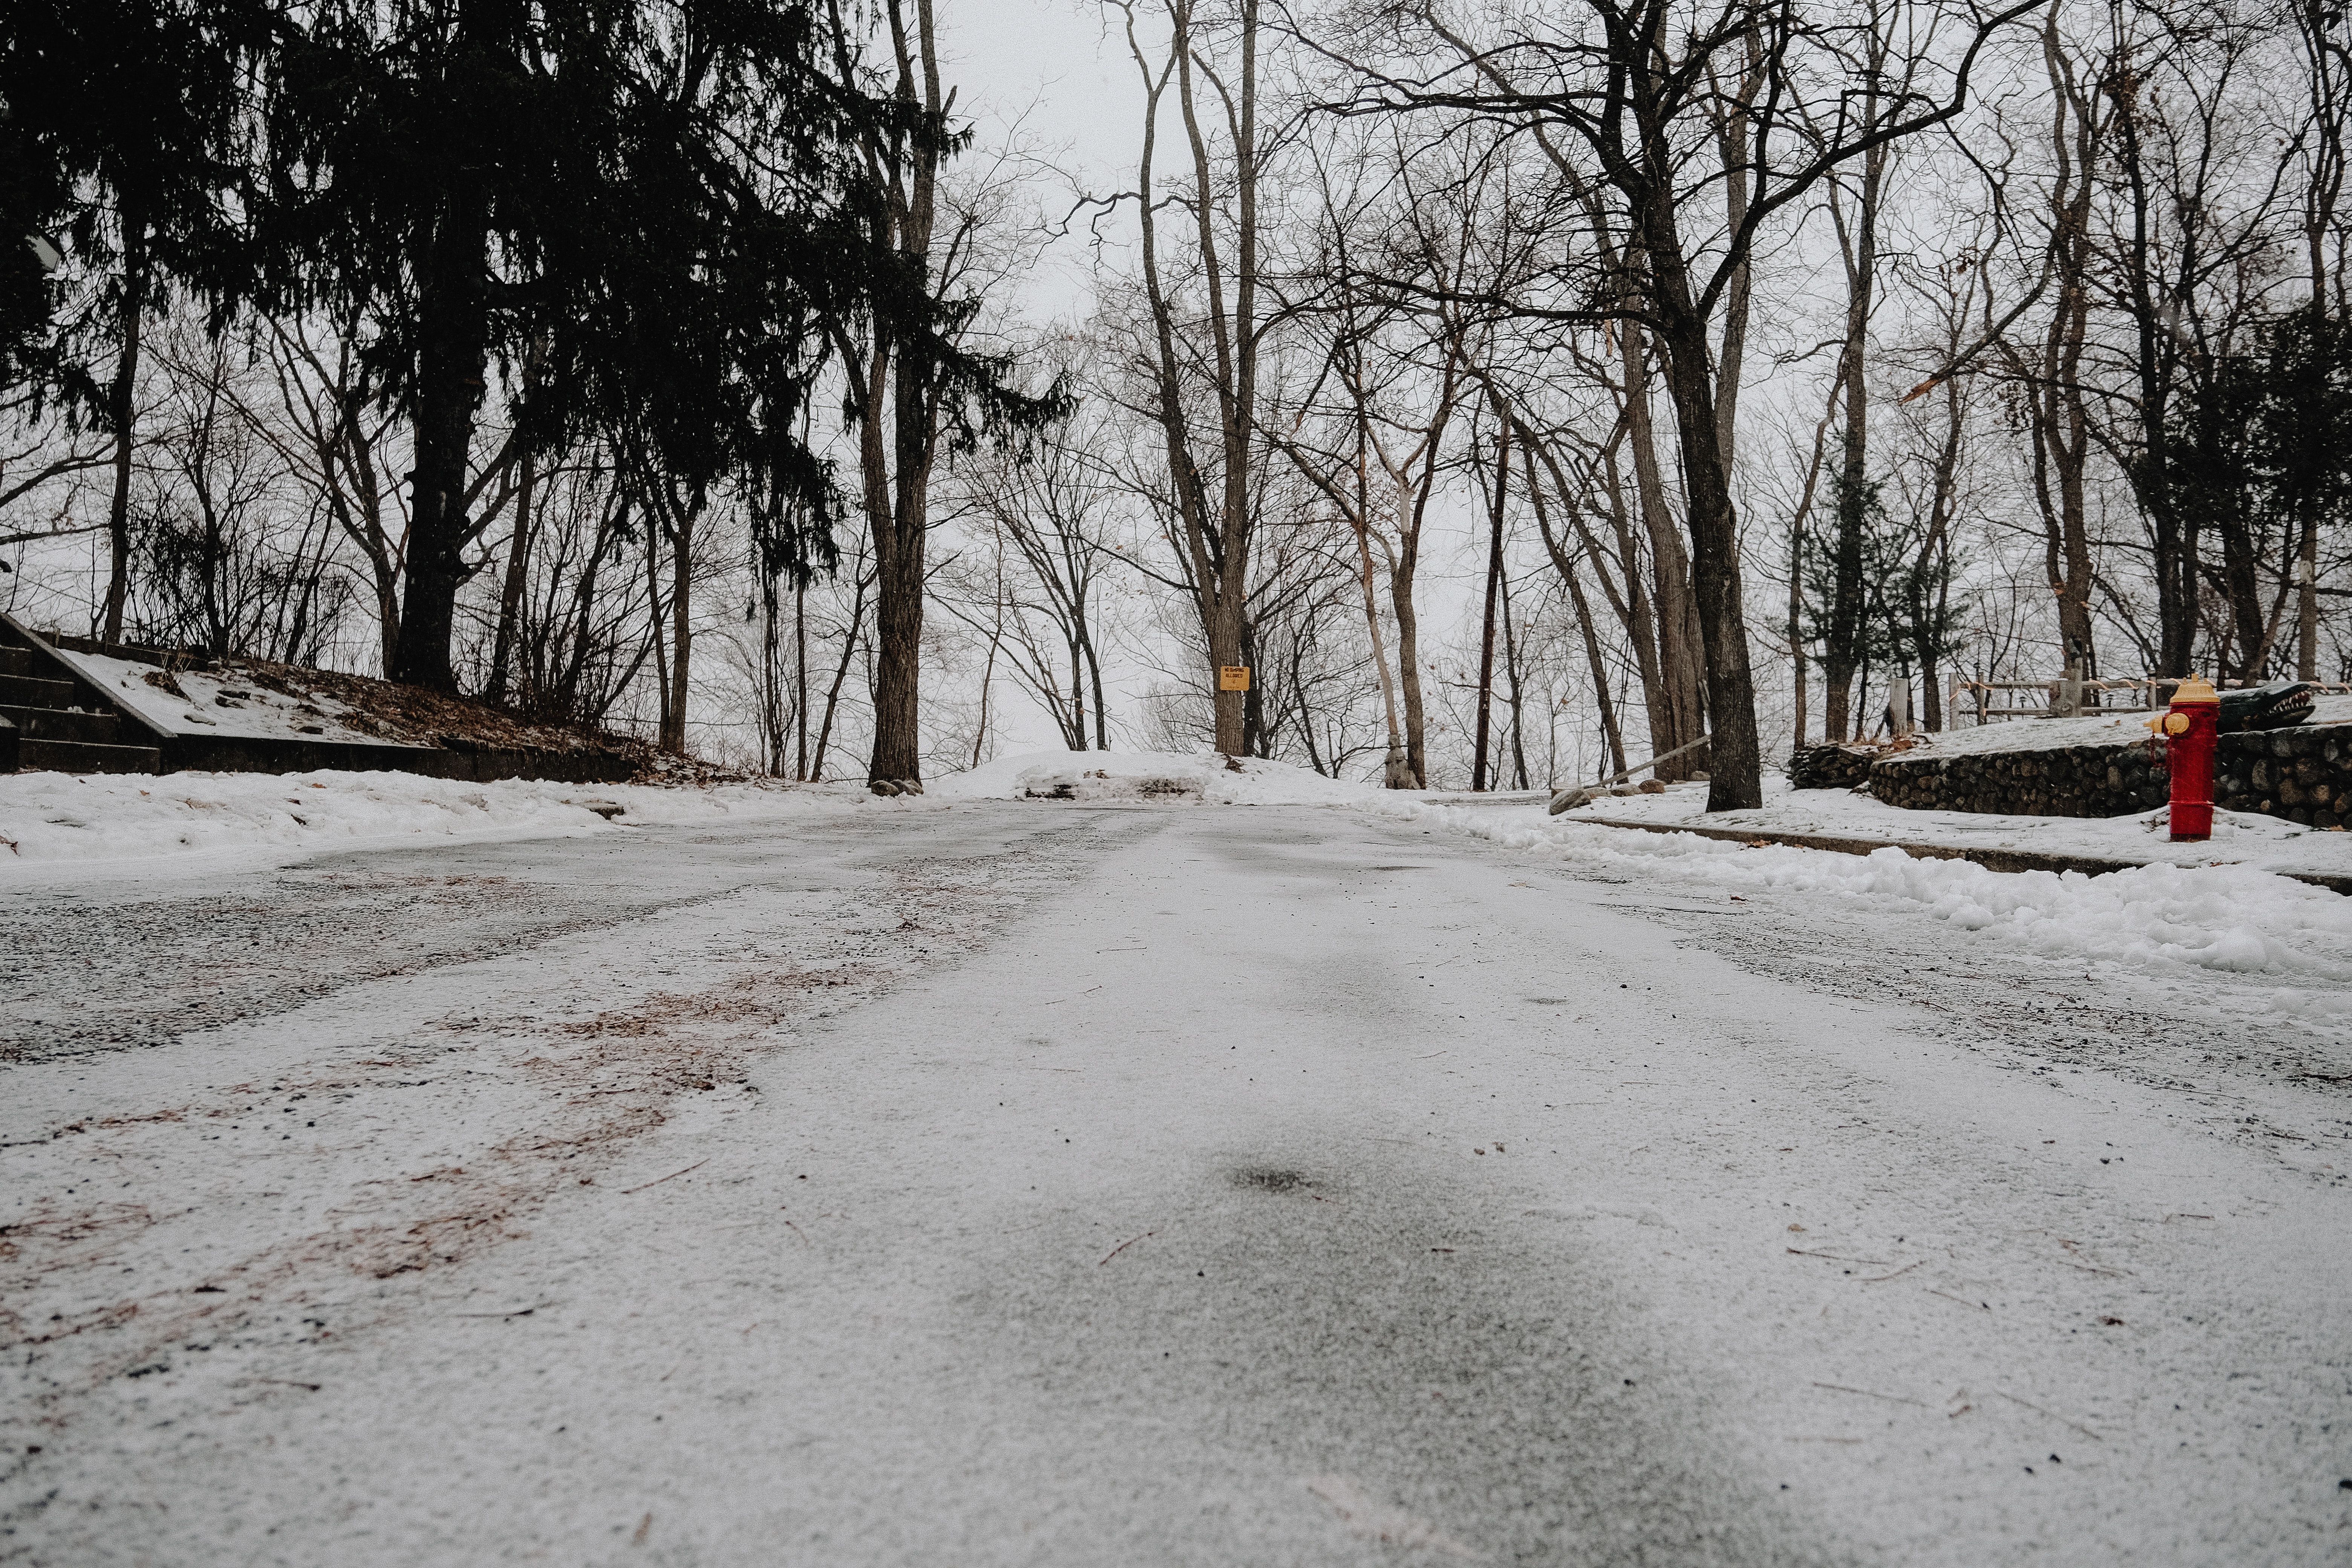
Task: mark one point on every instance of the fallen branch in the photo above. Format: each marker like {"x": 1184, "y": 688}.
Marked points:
{"x": 2053, "y": 1415}
{"x": 1123, "y": 1245}
{"x": 658, "y": 1181}
{"x": 1890, "y": 1398}
{"x": 1570, "y": 799}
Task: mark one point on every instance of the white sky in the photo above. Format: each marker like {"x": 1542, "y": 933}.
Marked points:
{"x": 1051, "y": 77}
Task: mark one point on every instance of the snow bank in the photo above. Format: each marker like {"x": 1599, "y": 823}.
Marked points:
{"x": 2235, "y": 919}
{"x": 1159, "y": 777}
{"x": 2266, "y": 843}
{"x": 48, "y": 818}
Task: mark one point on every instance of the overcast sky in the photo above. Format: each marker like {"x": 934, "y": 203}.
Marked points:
{"x": 1048, "y": 76}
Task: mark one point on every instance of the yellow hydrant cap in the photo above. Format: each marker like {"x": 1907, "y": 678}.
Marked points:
{"x": 2195, "y": 691}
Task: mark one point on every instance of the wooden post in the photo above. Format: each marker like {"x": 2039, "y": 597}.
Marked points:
{"x": 2068, "y": 703}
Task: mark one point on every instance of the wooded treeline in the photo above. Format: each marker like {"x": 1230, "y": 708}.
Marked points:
{"x": 1516, "y": 392}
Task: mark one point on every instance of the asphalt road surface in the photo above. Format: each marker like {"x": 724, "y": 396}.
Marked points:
{"x": 1047, "y": 1184}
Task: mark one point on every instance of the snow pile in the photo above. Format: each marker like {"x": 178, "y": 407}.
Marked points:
{"x": 194, "y": 703}
{"x": 2269, "y": 843}
{"x": 50, "y": 817}
{"x": 2230, "y": 918}
{"x": 1156, "y": 777}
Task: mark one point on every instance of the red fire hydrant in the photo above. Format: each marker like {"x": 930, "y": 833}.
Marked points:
{"x": 2191, "y": 729}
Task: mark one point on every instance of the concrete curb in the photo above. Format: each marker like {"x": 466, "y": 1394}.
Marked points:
{"x": 1990, "y": 859}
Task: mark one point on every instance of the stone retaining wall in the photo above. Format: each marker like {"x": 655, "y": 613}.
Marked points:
{"x": 2303, "y": 775}
{"x": 2065, "y": 781}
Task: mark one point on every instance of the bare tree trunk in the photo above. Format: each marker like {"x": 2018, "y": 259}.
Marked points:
{"x": 1397, "y": 772}
{"x": 849, "y": 637}
{"x": 1797, "y": 622}
{"x": 1935, "y": 563}
{"x": 898, "y": 487}
{"x": 1217, "y": 542}
{"x": 2329, "y": 65}
{"x": 1493, "y": 587}
{"x": 510, "y": 592}
{"x": 772, "y": 723}
{"x": 1734, "y": 761}
{"x": 1402, "y": 565}
{"x": 1857, "y": 235}
{"x": 1511, "y": 673}
{"x": 659, "y": 635}
{"x": 681, "y": 611}
{"x": 1611, "y": 734}
{"x": 452, "y": 348}
{"x": 121, "y": 407}
{"x": 1678, "y": 707}
{"x": 1094, "y": 669}
{"x": 799, "y": 679}
{"x": 988, "y": 676}
{"x": 1237, "y": 355}
{"x": 1733, "y": 125}
{"x": 2056, "y": 411}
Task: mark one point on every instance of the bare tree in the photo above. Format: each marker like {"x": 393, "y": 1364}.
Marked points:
{"x": 1633, "y": 84}
{"x": 1045, "y": 522}
{"x": 1215, "y": 286}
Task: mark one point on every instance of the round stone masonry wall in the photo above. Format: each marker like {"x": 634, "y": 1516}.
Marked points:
{"x": 2303, "y": 775}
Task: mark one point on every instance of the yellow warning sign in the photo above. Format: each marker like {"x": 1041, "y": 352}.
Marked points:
{"x": 1232, "y": 676}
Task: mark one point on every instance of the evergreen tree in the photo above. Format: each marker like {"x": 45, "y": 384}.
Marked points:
{"x": 1905, "y": 615}
{"x": 660, "y": 194}
{"x": 129, "y": 122}
{"x": 32, "y": 207}
{"x": 2262, "y": 444}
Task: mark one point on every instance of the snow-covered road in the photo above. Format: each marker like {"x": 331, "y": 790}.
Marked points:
{"x": 1046, "y": 1184}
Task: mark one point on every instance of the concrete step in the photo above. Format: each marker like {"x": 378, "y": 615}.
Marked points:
{"x": 36, "y": 691}
{"x": 82, "y": 757}
{"x": 64, "y": 724}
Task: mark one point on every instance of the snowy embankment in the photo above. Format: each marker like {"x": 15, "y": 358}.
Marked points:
{"x": 2165, "y": 919}
{"x": 2266, "y": 843}
{"x": 2235, "y": 917}
{"x": 61, "y": 820}
{"x": 54, "y": 820}
{"x": 1164, "y": 777}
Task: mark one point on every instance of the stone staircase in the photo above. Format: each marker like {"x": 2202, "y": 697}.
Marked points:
{"x": 59, "y": 721}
